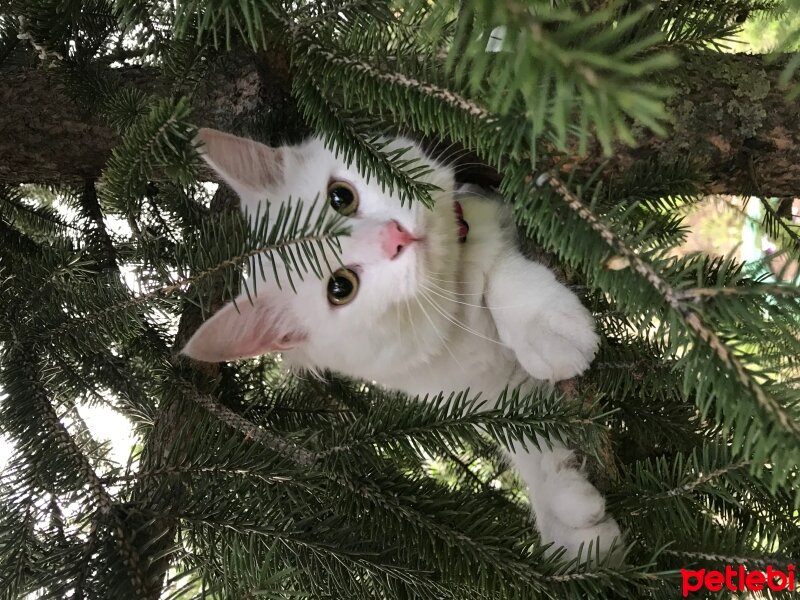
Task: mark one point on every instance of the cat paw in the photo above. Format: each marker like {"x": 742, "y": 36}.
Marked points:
{"x": 572, "y": 499}
{"x": 604, "y": 538}
{"x": 540, "y": 319}
{"x": 575, "y": 510}
{"x": 579, "y": 505}
{"x": 558, "y": 345}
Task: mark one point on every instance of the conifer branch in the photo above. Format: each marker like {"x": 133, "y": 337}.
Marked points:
{"x": 282, "y": 447}
{"x": 688, "y": 488}
{"x": 516, "y": 419}
{"x": 16, "y": 211}
{"x": 688, "y": 314}
{"x": 89, "y": 547}
{"x": 761, "y": 561}
{"x": 172, "y": 470}
{"x": 778, "y": 226}
{"x": 367, "y": 490}
{"x": 186, "y": 282}
{"x": 601, "y": 574}
{"x": 54, "y": 429}
{"x": 92, "y": 211}
{"x": 699, "y": 294}
{"x": 298, "y": 20}
{"x": 157, "y": 139}
{"x": 402, "y": 80}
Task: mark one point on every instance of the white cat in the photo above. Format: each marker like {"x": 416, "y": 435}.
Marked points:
{"x": 430, "y": 301}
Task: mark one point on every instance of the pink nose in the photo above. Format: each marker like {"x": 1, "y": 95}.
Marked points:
{"x": 394, "y": 238}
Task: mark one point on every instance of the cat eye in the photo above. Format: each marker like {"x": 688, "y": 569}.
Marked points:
{"x": 342, "y": 198}
{"x": 342, "y": 287}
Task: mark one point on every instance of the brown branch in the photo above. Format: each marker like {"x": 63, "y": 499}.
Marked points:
{"x": 728, "y": 111}
{"x": 47, "y": 137}
{"x": 98, "y": 236}
{"x": 251, "y": 431}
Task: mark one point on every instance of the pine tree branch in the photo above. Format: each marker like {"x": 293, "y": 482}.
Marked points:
{"x": 402, "y": 80}
{"x": 688, "y": 313}
{"x": 44, "y": 220}
{"x": 89, "y": 547}
{"x": 697, "y": 294}
{"x": 165, "y": 291}
{"x": 374, "y": 495}
{"x": 297, "y": 455}
{"x": 778, "y": 226}
{"x": 688, "y": 488}
{"x": 760, "y": 561}
{"x": 90, "y": 207}
{"x": 169, "y": 471}
{"x": 55, "y": 431}
{"x": 484, "y": 486}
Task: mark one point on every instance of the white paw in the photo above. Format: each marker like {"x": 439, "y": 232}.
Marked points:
{"x": 578, "y": 504}
{"x": 588, "y": 541}
{"x": 571, "y": 498}
{"x": 574, "y": 512}
{"x": 540, "y": 319}
{"x": 558, "y": 345}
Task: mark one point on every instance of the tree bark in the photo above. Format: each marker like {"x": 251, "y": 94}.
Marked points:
{"x": 728, "y": 109}
{"x": 46, "y": 137}
{"x": 730, "y": 113}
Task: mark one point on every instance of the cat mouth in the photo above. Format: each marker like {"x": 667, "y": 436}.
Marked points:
{"x": 463, "y": 226}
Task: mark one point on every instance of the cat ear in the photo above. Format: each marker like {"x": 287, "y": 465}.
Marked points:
{"x": 246, "y": 165}
{"x": 252, "y": 330}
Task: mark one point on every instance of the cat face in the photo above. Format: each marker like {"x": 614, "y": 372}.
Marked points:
{"x": 370, "y": 317}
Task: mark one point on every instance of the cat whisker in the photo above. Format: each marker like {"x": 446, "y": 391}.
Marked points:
{"x": 417, "y": 343}
{"x": 430, "y": 275}
{"x": 458, "y": 166}
{"x": 486, "y": 306}
{"x": 458, "y": 323}
{"x": 478, "y": 192}
{"x": 436, "y": 329}
{"x": 451, "y": 153}
{"x": 450, "y": 299}
{"x": 397, "y": 314}
{"x": 446, "y": 289}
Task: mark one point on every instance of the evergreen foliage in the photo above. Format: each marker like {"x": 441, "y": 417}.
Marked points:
{"x": 246, "y": 482}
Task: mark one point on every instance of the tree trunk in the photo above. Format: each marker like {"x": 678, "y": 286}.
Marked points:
{"x": 731, "y": 110}
{"x": 728, "y": 106}
{"x": 46, "y": 137}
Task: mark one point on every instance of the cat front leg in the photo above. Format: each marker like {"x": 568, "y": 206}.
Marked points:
{"x": 543, "y": 322}
{"x": 553, "y": 337}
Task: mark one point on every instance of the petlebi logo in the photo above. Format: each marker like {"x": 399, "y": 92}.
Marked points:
{"x": 738, "y": 579}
